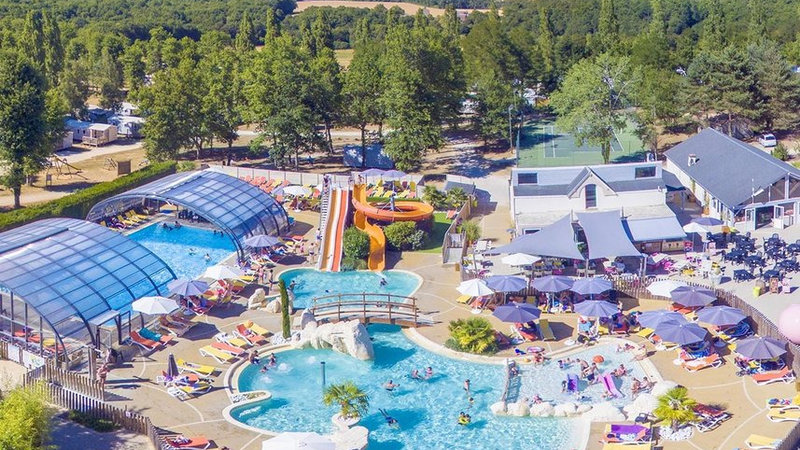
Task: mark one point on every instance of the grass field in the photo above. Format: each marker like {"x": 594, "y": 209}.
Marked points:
{"x": 440, "y": 225}
{"x": 344, "y": 56}
{"x": 542, "y": 144}
{"x": 408, "y": 8}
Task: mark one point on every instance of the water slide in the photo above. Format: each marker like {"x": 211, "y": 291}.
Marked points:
{"x": 404, "y": 210}
{"x": 377, "y": 240}
{"x": 330, "y": 256}
{"x": 608, "y": 383}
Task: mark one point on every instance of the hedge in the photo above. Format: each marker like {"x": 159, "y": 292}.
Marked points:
{"x": 78, "y": 204}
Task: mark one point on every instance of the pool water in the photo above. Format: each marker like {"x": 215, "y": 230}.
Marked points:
{"x": 312, "y": 283}
{"x": 427, "y": 411}
{"x": 532, "y": 377}
{"x": 184, "y": 248}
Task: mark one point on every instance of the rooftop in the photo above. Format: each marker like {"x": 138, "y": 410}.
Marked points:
{"x": 563, "y": 180}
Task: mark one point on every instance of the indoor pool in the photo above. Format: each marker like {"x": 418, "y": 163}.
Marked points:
{"x": 427, "y": 411}
{"x": 184, "y": 248}
{"x": 311, "y": 283}
{"x": 532, "y": 376}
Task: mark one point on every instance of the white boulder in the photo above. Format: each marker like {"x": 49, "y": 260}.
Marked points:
{"x": 274, "y": 306}
{"x": 583, "y": 408}
{"x": 662, "y": 387}
{"x": 355, "y": 438}
{"x": 645, "y": 403}
{"x": 257, "y": 299}
{"x": 541, "y": 410}
{"x": 519, "y": 409}
{"x": 343, "y": 423}
{"x": 604, "y": 412}
{"x": 349, "y": 337}
{"x": 306, "y": 317}
{"x": 498, "y": 409}
{"x": 564, "y": 409}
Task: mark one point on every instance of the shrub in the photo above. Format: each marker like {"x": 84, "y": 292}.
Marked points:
{"x": 471, "y": 229}
{"x": 456, "y": 198}
{"x": 87, "y": 420}
{"x": 186, "y": 166}
{"x": 473, "y": 335}
{"x": 77, "y": 205}
{"x": 434, "y": 197}
{"x": 404, "y": 236}
{"x": 351, "y": 263}
{"x": 780, "y": 152}
{"x": 25, "y": 416}
{"x": 355, "y": 243}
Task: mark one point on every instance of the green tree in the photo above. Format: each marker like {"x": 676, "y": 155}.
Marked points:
{"x": 676, "y": 407}
{"x": 607, "y": 27}
{"x": 355, "y": 243}
{"x": 26, "y": 417}
{"x": 352, "y": 401}
{"x": 362, "y": 88}
{"x": 53, "y": 49}
{"x": 32, "y": 40}
{"x": 471, "y": 230}
{"x": 110, "y": 81}
{"x": 246, "y": 35}
{"x": 592, "y": 99}
{"x": 658, "y": 104}
{"x": 134, "y": 68}
{"x": 473, "y": 335}
{"x": 714, "y": 35}
{"x": 272, "y": 26}
{"x": 286, "y": 319}
{"x": 327, "y": 91}
{"x": 434, "y": 197}
{"x": 456, "y": 197}
{"x": 224, "y": 102}
{"x": 757, "y": 27}
{"x": 777, "y": 87}
{"x": 24, "y": 134}
{"x": 546, "y": 45}
{"x": 74, "y": 86}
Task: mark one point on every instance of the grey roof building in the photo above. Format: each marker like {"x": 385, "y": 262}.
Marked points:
{"x": 734, "y": 181}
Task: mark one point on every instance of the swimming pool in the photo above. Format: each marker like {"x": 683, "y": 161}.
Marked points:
{"x": 532, "y": 376}
{"x": 174, "y": 247}
{"x": 426, "y": 410}
{"x": 312, "y": 283}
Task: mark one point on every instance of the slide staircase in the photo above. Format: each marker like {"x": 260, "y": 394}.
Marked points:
{"x": 377, "y": 240}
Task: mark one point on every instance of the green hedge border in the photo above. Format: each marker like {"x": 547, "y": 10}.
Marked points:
{"x": 77, "y": 205}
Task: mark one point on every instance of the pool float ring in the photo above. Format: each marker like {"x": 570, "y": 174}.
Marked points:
{"x": 597, "y": 359}
{"x": 464, "y": 421}
{"x": 534, "y": 349}
{"x": 527, "y": 360}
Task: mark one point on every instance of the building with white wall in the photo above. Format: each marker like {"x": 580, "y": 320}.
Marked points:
{"x": 541, "y": 196}
{"x": 741, "y": 185}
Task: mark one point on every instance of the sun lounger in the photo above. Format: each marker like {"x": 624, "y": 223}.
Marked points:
{"x": 645, "y": 332}
{"x": 193, "y": 443}
{"x": 759, "y": 442}
{"x": 626, "y": 433}
{"x": 189, "y": 390}
{"x": 255, "y": 328}
{"x": 232, "y": 340}
{"x": 784, "y": 375}
{"x": 545, "y": 331}
{"x": 148, "y": 334}
{"x": 199, "y": 369}
{"x": 220, "y": 356}
{"x": 627, "y": 446}
{"x": 502, "y": 339}
{"x": 249, "y": 335}
{"x": 706, "y": 424}
{"x": 145, "y": 344}
{"x": 173, "y": 328}
{"x": 182, "y": 379}
{"x": 464, "y": 299}
{"x": 783, "y": 415}
{"x": 525, "y": 334}
{"x": 227, "y": 348}
{"x": 712, "y": 360}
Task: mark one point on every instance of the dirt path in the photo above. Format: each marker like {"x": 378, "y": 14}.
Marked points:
{"x": 408, "y": 8}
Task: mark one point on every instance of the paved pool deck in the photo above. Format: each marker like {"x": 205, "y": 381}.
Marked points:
{"x": 133, "y": 384}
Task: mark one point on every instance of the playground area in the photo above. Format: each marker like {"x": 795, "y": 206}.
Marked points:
{"x": 542, "y": 144}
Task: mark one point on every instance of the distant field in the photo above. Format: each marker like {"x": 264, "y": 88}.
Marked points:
{"x": 408, "y": 8}
{"x": 344, "y": 56}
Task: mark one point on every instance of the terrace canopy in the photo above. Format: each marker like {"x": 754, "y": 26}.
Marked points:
{"x": 238, "y": 208}
{"x": 556, "y": 240}
{"x": 605, "y": 235}
{"x": 75, "y": 276}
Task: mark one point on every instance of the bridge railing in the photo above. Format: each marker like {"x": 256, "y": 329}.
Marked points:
{"x": 366, "y": 306}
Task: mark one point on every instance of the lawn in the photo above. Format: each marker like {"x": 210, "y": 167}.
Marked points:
{"x": 440, "y": 225}
{"x": 344, "y": 56}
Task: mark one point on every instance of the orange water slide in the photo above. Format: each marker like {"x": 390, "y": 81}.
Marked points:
{"x": 404, "y": 210}
{"x": 377, "y": 241}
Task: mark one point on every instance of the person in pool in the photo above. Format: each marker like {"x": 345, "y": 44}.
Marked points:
{"x": 207, "y": 257}
{"x": 192, "y": 251}
{"x": 272, "y": 359}
{"x": 383, "y": 282}
{"x": 391, "y": 421}
{"x": 428, "y": 372}
{"x": 466, "y": 386}
{"x": 390, "y": 386}
{"x": 464, "y": 419}
{"x": 415, "y": 374}
{"x": 264, "y": 369}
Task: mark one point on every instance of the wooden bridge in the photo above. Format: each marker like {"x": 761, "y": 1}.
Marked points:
{"x": 369, "y": 308}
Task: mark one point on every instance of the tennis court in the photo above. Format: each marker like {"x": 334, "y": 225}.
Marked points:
{"x": 542, "y": 144}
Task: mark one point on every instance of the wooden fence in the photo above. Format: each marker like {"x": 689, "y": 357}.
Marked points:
{"x": 463, "y": 214}
{"x": 759, "y": 322}
{"x": 69, "y": 381}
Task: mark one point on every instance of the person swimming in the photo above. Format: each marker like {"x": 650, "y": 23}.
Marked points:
{"x": 415, "y": 374}
{"x": 273, "y": 361}
{"x": 391, "y": 421}
{"x": 383, "y": 282}
{"x": 207, "y": 257}
{"x": 390, "y": 386}
{"x": 466, "y": 386}
{"x": 428, "y": 372}
{"x": 264, "y": 369}
{"x": 464, "y": 419}
{"x": 192, "y": 251}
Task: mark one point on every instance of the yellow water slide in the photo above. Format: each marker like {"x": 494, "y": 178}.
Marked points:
{"x": 377, "y": 240}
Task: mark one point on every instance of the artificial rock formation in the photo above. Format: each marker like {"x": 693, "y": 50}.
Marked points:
{"x": 348, "y": 337}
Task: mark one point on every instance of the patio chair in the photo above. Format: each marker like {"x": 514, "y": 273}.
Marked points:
{"x": 545, "y": 331}
{"x": 145, "y": 344}
{"x": 257, "y": 329}
{"x": 183, "y": 379}
{"x": 218, "y": 355}
{"x": 199, "y": 369}
{"x": 153, "y": 336}
{"x": 759, "y": 442}
{"x": 713, "y": 360}
{"x": 252, "y": 337}
{"x": 227, "y": 348}
{"x": 783, "y": 415}
{"x": 193, "y": 443}
{"x": 784, "y": 375}
{"x": 229, "y": 339}
{"x": 190, "y": 390}
{"x": 464, "y": 299}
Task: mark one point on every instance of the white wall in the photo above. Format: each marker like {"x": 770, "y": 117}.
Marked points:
{"x": 605, "y": 201}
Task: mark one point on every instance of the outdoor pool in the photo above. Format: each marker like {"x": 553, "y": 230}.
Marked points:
{"x": 427, "y": 411}
{"x": 184, "y": 248}
{"x": 312, "y": 283}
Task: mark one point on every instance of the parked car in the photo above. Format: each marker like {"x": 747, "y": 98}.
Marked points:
{"x": 768, "y": 140}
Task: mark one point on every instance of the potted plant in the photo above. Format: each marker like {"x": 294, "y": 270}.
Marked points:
{"x": 353, "y": 402}
{"x": 676, "y": 407}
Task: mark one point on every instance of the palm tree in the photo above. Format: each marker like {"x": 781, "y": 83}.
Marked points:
{"x": 434, "y": 197}
{"x": 676, "y": 407}
{"x": 474, "y": 335}
{"x": 351, "y": 399}
{"x": 456, "y": 197}
{"x": 471, "y": 230}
